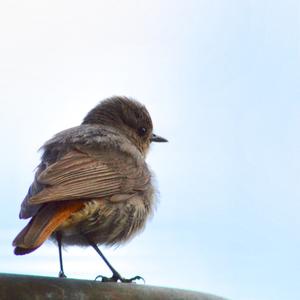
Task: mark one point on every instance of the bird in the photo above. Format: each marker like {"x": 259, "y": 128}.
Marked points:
{"x": 93, "y": 186}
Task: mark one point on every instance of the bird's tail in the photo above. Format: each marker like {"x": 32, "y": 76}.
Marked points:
{"x": 43, "y": 224}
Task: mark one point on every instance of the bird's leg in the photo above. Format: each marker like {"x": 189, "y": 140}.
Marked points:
{"x": 61, "y": 273}
{"x": 116, "y": 275}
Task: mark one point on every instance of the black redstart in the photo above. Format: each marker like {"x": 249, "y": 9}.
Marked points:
{"x": 93, "y": 186}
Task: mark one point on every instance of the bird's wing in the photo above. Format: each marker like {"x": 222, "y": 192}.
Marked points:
{"x": 79, "y": 175}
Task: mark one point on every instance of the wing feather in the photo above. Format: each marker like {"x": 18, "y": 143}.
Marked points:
{"x": 77, "y": 176}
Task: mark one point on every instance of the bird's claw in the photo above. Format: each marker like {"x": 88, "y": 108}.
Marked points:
{"x": 106, "y": 279}
{"x": 61, "y": 274}
{"x": 133, "y": 279}
{"x": 116, "y": 278}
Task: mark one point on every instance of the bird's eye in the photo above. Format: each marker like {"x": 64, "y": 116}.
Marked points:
{"x": 142, "y": 131}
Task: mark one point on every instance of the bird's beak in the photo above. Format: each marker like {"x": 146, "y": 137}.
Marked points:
{"x": 157, "y": 138}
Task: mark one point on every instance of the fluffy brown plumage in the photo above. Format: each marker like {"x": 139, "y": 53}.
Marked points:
{"x": 93, "y": 183}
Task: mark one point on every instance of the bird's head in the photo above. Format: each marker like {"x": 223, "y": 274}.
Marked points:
{"x": 128, "y": 116}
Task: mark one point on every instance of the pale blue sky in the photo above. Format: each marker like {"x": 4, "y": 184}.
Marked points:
{"x": 221, "y": 80}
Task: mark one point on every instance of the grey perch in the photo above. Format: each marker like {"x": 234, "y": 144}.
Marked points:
{"x": 27, "y": 287}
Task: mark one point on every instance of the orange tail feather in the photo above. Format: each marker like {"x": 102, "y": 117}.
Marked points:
{"x": 43, "y": 224}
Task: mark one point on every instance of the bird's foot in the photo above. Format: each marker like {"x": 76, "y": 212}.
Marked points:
{"x": 61, "y": 274}
{"x": 118, "y": 278}
{"x": 133, "y": 279}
